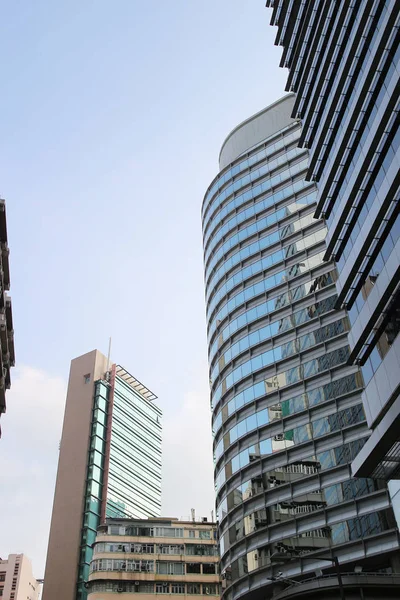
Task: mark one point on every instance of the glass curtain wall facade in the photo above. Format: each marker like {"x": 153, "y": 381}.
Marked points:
{"x": 287, "y": 411}
{"x": 344, "y": 66}
{"x": 124, "y": 465}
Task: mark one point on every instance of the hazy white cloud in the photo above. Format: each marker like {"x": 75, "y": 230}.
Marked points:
{"x": 29, "y": 455}
{"x": 187, "y": 458}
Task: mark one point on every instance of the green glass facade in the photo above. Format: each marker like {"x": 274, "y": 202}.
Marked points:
{"x": 125, "y": 457}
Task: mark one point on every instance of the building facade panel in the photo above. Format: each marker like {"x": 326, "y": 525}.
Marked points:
{"x": 351, "y": 124}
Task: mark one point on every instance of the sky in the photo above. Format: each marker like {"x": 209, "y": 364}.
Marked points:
{"x": 112, "y": 118}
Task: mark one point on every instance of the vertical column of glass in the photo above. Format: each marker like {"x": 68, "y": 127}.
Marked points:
{"x": 94, "y": 483}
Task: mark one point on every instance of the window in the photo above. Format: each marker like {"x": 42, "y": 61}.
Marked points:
{"x": 162, "y": 588}
{"x": 208, "y": 569}
{"x": 86, "y": 378}
{"x": 177, "y": 588}
{"x": 192, "y": 533}
{"x": 2, "y": 576}
{"x": 193, "y": 588}
{"x": 210, "y": 589}
{"x": 193, "y": 568}
{"x": 204, "y": 535}
{"x": 170, "y": 568}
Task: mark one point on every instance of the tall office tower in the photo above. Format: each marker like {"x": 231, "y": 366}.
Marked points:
{"x": 151, "y": 557}
{"x": 109, "y": 466}
{"x": 344, "y": 66}
{"x": 16, "y": 579}
{"x": 287, "y": 411}
{"x": 7, "y": 355}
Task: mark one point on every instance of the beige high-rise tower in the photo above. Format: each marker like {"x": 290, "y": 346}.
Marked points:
{"x": 109, "y": 466}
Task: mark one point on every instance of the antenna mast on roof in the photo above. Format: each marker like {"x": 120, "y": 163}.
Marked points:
{"x": 108, "y": 356}
{"x": 193, "y": 513}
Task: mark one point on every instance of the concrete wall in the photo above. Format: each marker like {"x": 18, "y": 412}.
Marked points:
{"x": 257, "y": 128}
{"x": 66, "y": 522}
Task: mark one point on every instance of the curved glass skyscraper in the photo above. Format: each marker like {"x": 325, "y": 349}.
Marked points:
{"x": 287, "y": 412}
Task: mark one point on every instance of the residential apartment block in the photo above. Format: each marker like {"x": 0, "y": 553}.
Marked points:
{"x": 154, "y": 557}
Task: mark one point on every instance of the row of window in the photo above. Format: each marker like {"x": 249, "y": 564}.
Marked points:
{"x": 259, "y": 266}
{"x": 281, "y": 380}
{"x": 268, "y": 185}
{"x": 169, "y": 549}
{"x": 256, "y": 335}
{"x": 295, "y": 507}
{"x": 266, "y": 284}
{"x": 156, "y": 531}
{"x": 288, "y": 407}
{"x": 278, "y": 353}
{"x": 317, "y": 539}
{"x": 287, "y": 439}
{"x": 287, "y": 473}
{"x": 267, "y": 307}
{"x": 219, "y": 210}
{"x": 286, "y": 192}
{"x": 151, "y": 566}
{"x": 252, "y": 249}
{"x": 144, "y": 587}
{"x": 257, "y": 228}
{"x": 247, "y": 163}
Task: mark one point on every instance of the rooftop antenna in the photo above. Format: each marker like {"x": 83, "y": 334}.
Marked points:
{"x": 212, "y": 516}
{"x": 193, "y": 513}
{"x": 108, "y": 356}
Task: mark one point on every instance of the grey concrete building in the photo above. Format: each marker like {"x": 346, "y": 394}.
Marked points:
{"x": 7, "y": 353}
{"x": 344, "y": 66}
{"x": 287, "y": 404}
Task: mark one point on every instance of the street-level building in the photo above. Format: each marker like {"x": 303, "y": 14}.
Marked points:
{"x": 287, "y": 406}
{"x": 109, "y": 466}
{"x": 154, "y": 557}
{"x": 16, "y": 579}
{"x": 344, "y": 67}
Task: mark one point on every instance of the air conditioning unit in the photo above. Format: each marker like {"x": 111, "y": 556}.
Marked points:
{"x": 204, "y": 520}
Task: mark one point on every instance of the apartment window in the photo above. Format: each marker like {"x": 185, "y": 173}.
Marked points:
{"x": 210, "y": 590}
{"x": 208, "y": 569}
{"x": 86, "y": 378}
{"x": 192, "y": 533}
{"x": 193, "y": 588}
{"x": 204, "y": 535}
{"x": 177, "y": 588}
{"x": 170, "y": 568}
{"x": 193, "y": 568}
{"x": 1, "y": 591}
{"x": 162, "y": 588}
{"x": 2, "y": 576}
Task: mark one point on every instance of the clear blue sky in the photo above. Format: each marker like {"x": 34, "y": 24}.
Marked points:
{"x": 113, "y": 114}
